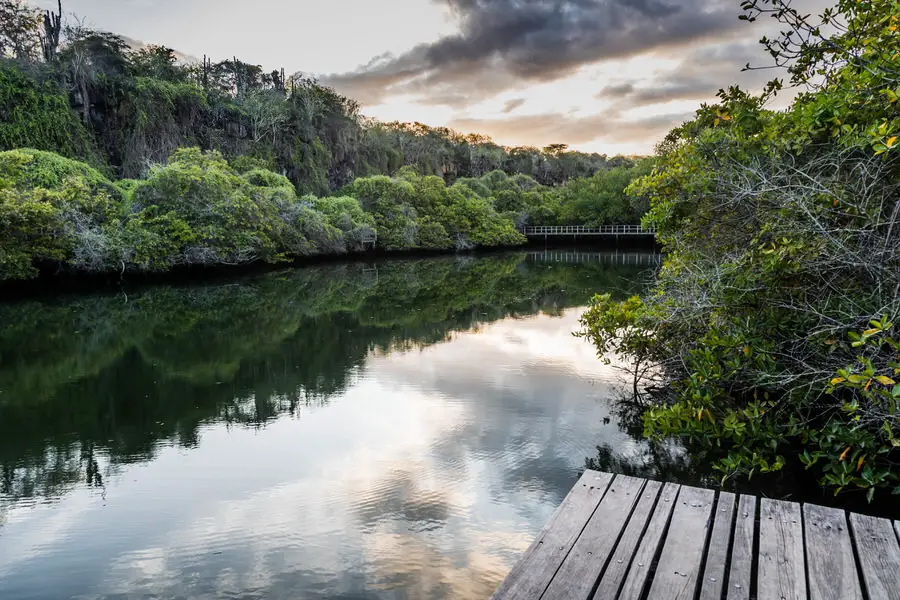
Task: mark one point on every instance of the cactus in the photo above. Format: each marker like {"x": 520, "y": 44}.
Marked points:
{"x": 50, "y": 37}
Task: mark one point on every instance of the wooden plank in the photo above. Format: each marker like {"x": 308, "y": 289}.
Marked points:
{"x": 717, "y": 554}
{"x": 617, "y": 569}
{"x": 531, "y": 576}
{"x": 584, "y": 564}
{"x": 639, "y": 570}
{"x": 741, "y": 573}
{"x": 782, "y": 571}
{"x": 679, "y": 565}
{"x": 829, "y": 555}
{"x": 879, "y": 556}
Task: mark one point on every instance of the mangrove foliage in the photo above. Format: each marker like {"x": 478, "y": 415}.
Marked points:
{"x": 770, "y": 340}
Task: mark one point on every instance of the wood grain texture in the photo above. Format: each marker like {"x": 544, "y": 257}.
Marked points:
{"x": 717, "y": 553}
{"x": 531, "y": 575}
{"x": 584, "y": 564}
{"x": 679, "y": 565}
{"x": 829, "y": 555}
{"x": 740, "y": 575}
{"x": 879, "y": 556}
{"x": 614, "y": 575}
{"x": 781, "y": 573}
{"x": 639, "y": 570}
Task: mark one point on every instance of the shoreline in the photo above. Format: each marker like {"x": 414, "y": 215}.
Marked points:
{"x": 74, "y": 282}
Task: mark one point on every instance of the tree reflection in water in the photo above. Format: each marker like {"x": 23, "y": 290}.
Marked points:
{"x": 89, "y": 383}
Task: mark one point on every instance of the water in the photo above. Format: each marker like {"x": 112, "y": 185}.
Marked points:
{"x": 392, "y": 430}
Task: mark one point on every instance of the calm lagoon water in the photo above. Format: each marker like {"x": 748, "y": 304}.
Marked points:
{"x": 393, "y": 430}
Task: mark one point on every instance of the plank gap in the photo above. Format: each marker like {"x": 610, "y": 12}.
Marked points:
{"x": 610, "y": 483}
{"x": 879, "y": 556}
{"x": 782, "y": 558}
{"x": 803, "y": 550}
{"x": 584, "y": 565}
{"x": 612, "y": 553}
{"x": 613, "y": 581}
{"x": 715, "y": 575}
{"x": 742, "y": 571}
{"x": 676, "y": 573}
{"x": 654, "y": 564}
{"x": 856, "y": 559}
{"x": 726, "y": 577}
{"x": 832, "y": 572}
{"x": 754, "y": 557}
{"x": 530, "y": 576}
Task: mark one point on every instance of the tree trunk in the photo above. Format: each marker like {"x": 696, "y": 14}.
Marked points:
{"x": 85, "y": 103}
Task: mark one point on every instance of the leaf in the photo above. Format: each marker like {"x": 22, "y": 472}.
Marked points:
{"x": 837, "y": 380}
{"x": 870, "y": 494}
{"x": 860, "y": 462}
{"x": 871, "y": 331}
{"x": 884, "y": 380}
{"x": 844, "y": 453}
{"x": 890, "y": 143}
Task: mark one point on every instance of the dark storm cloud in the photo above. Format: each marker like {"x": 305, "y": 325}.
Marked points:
{"x": 701, "y": 72}
{"x": 512, "y": 105}
{"x": 698, "y": 75}
{"x": 502, "y": 43}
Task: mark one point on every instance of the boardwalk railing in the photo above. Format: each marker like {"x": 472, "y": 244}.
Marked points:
{"x": 577, "y": 230}
{"x": 622, "y": 538}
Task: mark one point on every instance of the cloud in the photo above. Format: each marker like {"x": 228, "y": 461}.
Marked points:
{"x": 699, "y": 75}
{"x": 512, "y": 105}
{"x": 505, "y": 43}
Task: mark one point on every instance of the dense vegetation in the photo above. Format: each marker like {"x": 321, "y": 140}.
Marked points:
{"x": 199, "y": 210}
{"x": 113, "y": 378}
{"x": 773, "y": 325}
{"x": 120, "y": 160}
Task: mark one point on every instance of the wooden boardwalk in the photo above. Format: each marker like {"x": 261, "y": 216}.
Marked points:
{"x": 576, "y": 231}
{"x": 620, "y": 538}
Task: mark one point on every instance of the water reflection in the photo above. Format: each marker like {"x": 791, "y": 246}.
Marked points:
{"x": 399, "y": 430}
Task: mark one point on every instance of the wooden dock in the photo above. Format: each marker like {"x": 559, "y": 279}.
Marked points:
{"x": 620, "y": 538}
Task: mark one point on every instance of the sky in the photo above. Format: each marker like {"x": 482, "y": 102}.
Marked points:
{"x": 609, "y": 76}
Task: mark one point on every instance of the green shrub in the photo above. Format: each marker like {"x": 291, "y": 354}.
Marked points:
{"x": 37, "y": 114}
{"x": 54, "y": 210}
{"x": 232, "y": 220}
{"x": 30, "y": 168}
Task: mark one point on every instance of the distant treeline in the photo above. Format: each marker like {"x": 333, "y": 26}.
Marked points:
{"x": 123, "y": 159}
